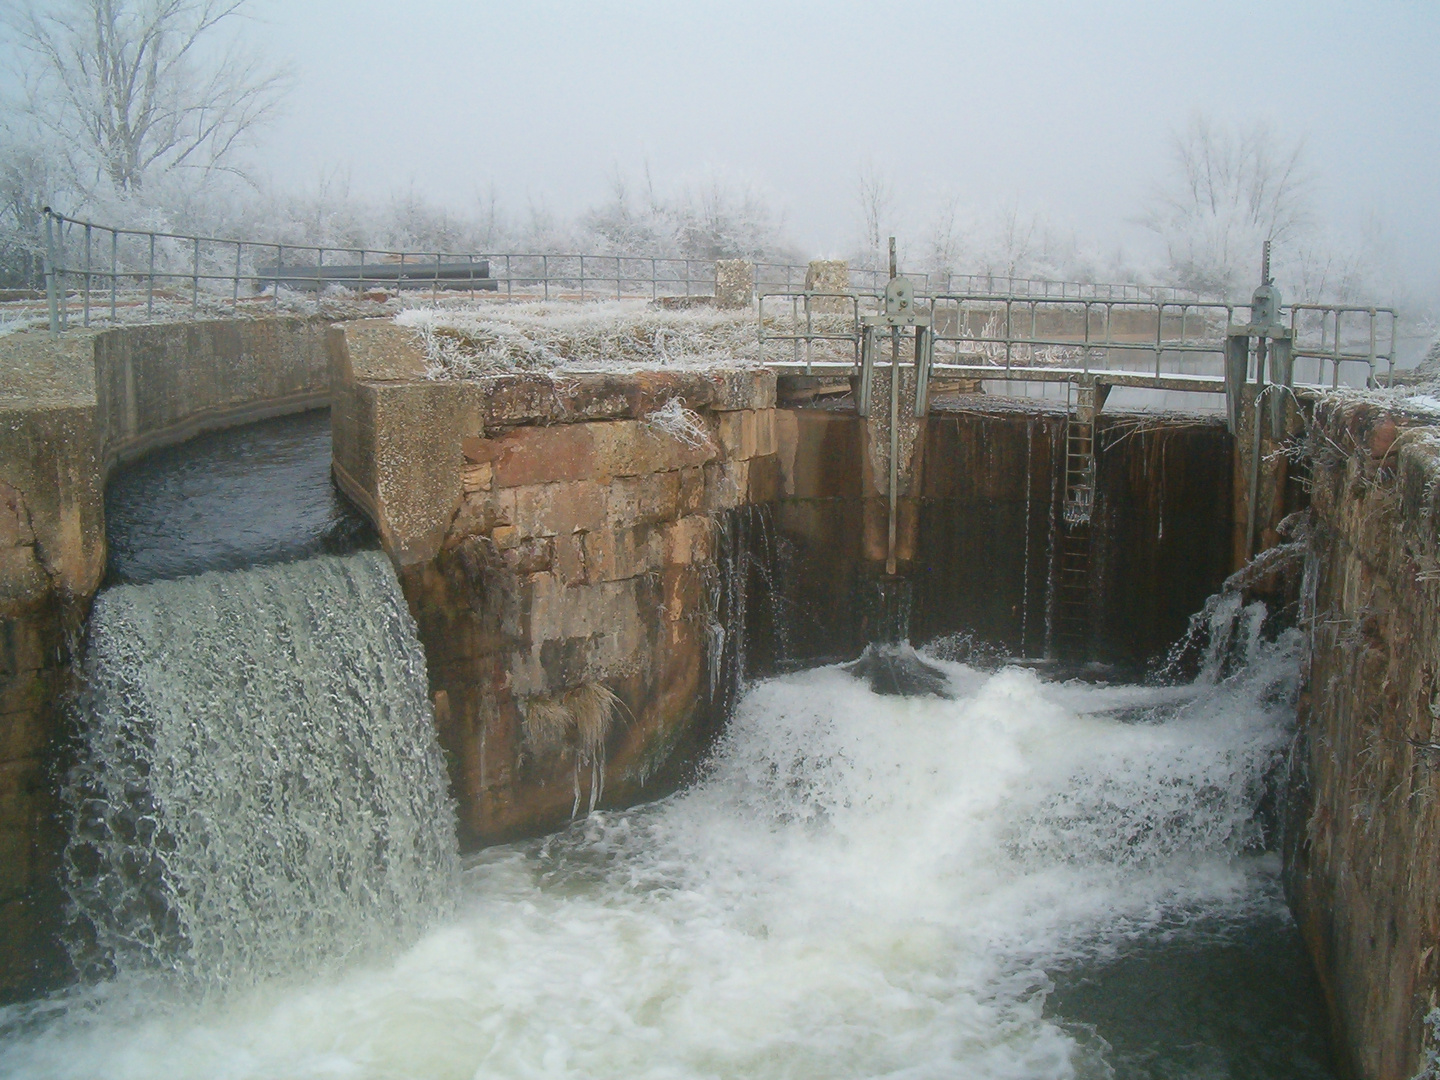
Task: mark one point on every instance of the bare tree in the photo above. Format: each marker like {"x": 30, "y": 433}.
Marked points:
{"x": 128, "y": 89}
{"x": 876, "y": 197}
{"x": 25, "y": 184}
{"x": 1227, "y": 192}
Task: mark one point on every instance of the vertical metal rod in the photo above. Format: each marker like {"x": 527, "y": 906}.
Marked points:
{"x": 195, "y": 280}
{"x": 617, "y": 277}
{"x": 235, "y": 284}
{"x": 64, "y": 273}
{"x": 809, "y": 335}
{"x": 360, "y": 276}
{"x": 1008, "y": 334}
{"x": 435, "y": 283}
{"x": 50, "y": 299}
{"x": 86, "y": 279}
{"x": 150, "y": 277}
{"x": 507, "y": 278}
{"x": 545, "y": 270}
{"x": 1159, "y": 334}
{"x": 1335, "y": 354}
{"x": 279, "y": 266}
{"x": 890, "y": 565}
{"x": 1255, "y": 472}
{"x": 582, "y": 277}
{"x": 1372, "y": 345}
{"x": 114, "y": 267}
{"x": 1390, "y": 356}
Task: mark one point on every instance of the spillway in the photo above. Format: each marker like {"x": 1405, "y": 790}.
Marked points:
{"x": 258, "y": 787}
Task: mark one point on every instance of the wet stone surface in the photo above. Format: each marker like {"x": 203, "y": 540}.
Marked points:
{"x": 248, "y": 496}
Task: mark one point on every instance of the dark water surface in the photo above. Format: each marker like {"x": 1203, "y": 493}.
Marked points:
{"x": 226, "y": 500}
{"x": 1208, "y": 1000}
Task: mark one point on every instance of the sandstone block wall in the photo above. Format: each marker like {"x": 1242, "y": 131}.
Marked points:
{"x": 1363, "y": 829}
{"x": 552, "y": 539}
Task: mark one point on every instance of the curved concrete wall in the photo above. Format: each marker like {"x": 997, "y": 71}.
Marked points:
{"x": 71, "y": 409}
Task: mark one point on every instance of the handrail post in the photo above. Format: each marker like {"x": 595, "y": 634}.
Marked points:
{"x": 50, "y": 273}
{"x": 86, "y": 279}
{"x": 114, "y": 264}
{"x": 150, "y": 277}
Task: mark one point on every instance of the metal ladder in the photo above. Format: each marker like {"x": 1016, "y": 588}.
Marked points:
{"x": 1072, "y": 624}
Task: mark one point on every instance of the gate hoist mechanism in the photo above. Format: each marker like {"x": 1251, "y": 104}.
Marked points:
{"x": 1273, "y": 340}
{"x": 899, "y": 313}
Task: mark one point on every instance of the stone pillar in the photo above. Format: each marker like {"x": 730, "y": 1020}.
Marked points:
{"x": 734, "y": 283}
{"x": 828, "y": 275}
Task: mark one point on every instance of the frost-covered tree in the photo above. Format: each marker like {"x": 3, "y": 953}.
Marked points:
{"x": 127, "y": 90}
{"x": 1228, "y": 190}
{"x": 26, "y": 181}
{"x": 875, "y": 198}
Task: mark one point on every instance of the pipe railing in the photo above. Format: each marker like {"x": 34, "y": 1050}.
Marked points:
{"x": 93, "y": 269}
{"x": 1174, "y": 341}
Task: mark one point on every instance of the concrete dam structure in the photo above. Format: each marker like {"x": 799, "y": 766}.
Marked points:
{"x": 538, "y": 740}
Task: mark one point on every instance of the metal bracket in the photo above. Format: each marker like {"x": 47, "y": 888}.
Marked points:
{"x": 1273, "y": 340}
{"x": 899, "y": 312}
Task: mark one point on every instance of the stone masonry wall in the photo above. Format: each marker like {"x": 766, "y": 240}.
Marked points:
{"x": 551, "y": 541}
{"x": 1363, "y": 833}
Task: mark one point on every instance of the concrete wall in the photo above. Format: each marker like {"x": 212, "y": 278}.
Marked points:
{"x": 159, "y": 385}
{"x": 550, "y": 541}
{"x": 1363, "y": 832}
{"x": 70, "y": 409}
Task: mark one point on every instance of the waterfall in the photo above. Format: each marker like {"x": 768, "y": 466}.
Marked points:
{"x": 257, "y": 786}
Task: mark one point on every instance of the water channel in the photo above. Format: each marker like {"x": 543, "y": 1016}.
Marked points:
{"x": 1025, "y": 877}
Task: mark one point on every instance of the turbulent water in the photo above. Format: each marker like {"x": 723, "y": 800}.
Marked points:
{"x": 258, "y": 787}
{"x": 860, "y": 886}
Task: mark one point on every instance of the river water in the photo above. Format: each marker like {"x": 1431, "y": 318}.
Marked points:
{"x": 1028, "y": 878}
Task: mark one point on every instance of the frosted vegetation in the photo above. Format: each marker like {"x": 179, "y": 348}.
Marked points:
{"x": 617, "y": 335}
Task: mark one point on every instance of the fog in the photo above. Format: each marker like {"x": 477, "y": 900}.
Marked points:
{"x": 1030, "y": 138}
{"x": 1062, "y": 112}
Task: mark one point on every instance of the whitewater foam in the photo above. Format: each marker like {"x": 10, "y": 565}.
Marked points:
{"x": 859, "y": 886}
{"x": 258, "y": 786}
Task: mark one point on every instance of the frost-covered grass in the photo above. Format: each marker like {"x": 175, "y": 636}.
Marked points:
{"x": 621, "y": 335}
{"x": 615, "y": 335}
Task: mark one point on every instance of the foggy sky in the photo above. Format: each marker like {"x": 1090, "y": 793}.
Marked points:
{"x": 1064, "y": 109}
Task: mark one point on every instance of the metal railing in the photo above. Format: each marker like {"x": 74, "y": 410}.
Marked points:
{"x": 1165, "y": 344}
{"x": 102, "y": 271}
{"x": 946, "y": 282}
